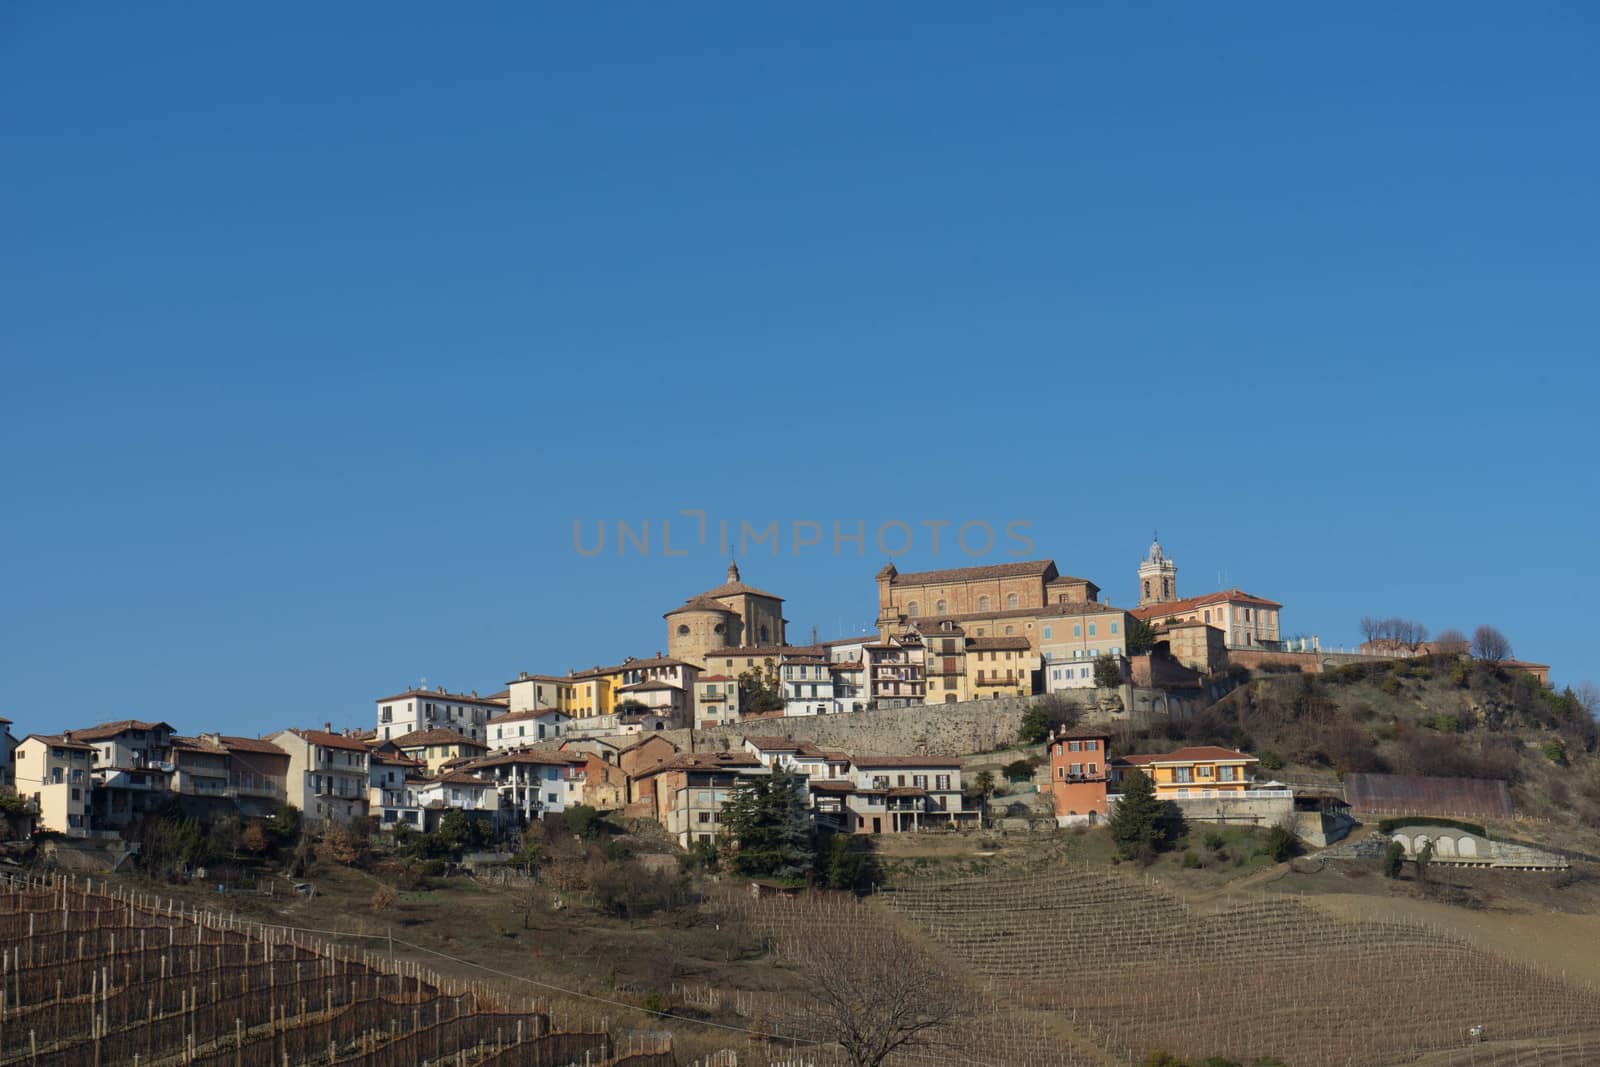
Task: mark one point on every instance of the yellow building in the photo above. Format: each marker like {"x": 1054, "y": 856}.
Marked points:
{"x": 1201, "y": 771}
{"x": 1000, "y": 666}
{"x": 53, "y": 771}
{"x": 437, "y": 747}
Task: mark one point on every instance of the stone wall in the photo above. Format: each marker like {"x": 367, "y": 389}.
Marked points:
{"x": 959, "y": 729}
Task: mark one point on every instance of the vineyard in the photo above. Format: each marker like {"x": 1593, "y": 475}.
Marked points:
{"x": 92, "y": 976}
{"x": 1136, "y": 969}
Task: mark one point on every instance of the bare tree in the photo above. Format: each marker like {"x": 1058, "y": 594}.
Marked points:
{"x": 1490, "y": 645}
{"x": 873, "y": 992}
{"x": 1450, "y": 643}
{"x": 1587, "y": 695}
{"x": 1410, "y": 633}
{"x": 1371, "y": 628}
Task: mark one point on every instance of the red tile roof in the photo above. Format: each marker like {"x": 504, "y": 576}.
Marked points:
{"x": 1226, "y": 596}
{"x": 970, "y": 574}
{"x": 998, "y": 644}
{"x": 523, "y": 716}
{"x": 700, "y": 603}
{"x": 1196, "y": 754}
{"x": 258, "y": 745}
{"x": 876, "y": 762}
{"x": 60, "y": 741}
{"x": 436, "y": 736}
{"x": 444, "y": 697}
{"x": 324, "y": 739}
{"x": 112, "y": 729}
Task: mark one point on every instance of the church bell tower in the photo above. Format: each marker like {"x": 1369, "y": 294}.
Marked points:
{"x": 1158, "y": 577}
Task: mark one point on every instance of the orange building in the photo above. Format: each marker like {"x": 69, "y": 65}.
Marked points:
{"x": 1200, "y": 771}
{"x": 1079, "y": 769}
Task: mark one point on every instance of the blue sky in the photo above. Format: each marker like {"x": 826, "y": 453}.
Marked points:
{"x": 324, "y": 323}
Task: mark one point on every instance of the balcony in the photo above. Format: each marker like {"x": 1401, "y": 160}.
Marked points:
{"x": 1009, "y": 682}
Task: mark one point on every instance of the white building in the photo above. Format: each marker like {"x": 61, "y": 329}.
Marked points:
{"x": 460, "y": 790}
{"x": 392, "y": 781}
{"x": 534, "y": 782}
{"x": 328, "y": 777}
{"x": 518, "y": 729}
{"x": 807, "y": 685}
{"x": 429, "y": 709}
{"x": 132, "y": 768}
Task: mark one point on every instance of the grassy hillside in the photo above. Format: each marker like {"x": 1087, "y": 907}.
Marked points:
{"x": 1432, "y": 715}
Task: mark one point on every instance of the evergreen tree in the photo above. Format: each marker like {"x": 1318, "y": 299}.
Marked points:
{"x": 1107, "y": 671}
{"x": 766, "y": 817}
{"x": 1136, "y": 821}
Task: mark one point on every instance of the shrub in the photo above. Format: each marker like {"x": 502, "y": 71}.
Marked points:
{"x": 1281, "y": 844}
{"x": 1214, "y": 841}
{"x": 1394, "y": 858}
{"x": 1191, "y": 859}
{"x": 1020, "y": 770}
{"x": 1555, "y": 751}
{"x": 383, "y": 899}
{"x": 583, "y": 821}
{"x": 1271, "y": 761}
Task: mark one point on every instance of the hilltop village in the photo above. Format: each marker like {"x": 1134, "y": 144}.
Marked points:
{"x": 670, "y": 736}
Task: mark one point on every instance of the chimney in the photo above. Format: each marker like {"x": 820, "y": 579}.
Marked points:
{"x": 522, "y": 675}
{"x": 474, "y": 692}
{"x": 327, "y": 727}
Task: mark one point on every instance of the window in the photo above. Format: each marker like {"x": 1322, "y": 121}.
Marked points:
{"x": 1147, "y": 589}
{"x": 983, "y": 603}
{"x": 1182, "y": 774}
{"x": 1077, "y": 629}
{"x": 1009, "y": 630}
{"x": 939, "y": 607}
{"x": 1094, "y": 768}
{"x": 683, "y": 629}
{"x": 1047, "y": 633}
{"x": 913, "y": 609}
{"x": 1113, "y": 627}
{"x": 1091, "y": 629}
{"x": 550, "y": 797}
{"x": 1011, "y": 600}
{"x": 388, "y": 713}
{"x": 1075, "y": 769}
{"x": 941, "y": 782}
{"x": 705, "y": 817}
{"x": 920, "y": 781}
{"x": 1227, "y": 774}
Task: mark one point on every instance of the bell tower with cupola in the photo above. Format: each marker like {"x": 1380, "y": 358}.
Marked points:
{"x": 1158, "y": 577}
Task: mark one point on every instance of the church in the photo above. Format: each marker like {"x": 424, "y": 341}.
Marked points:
{"x": 733, "y": 615}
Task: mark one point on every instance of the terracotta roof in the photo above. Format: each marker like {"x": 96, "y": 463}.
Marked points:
{"x": 198, "y": 744}
{"x": 778, "y": 652}
{"x": 716, "y": 678}
{"x": 1523, "y": 665}
{"x": 523, "y": 716}
{"x": 536, "y": 678}
{"x": 324, "y": 739}
{"x": 443, "y": 696}
{"x": 644, "y": 741}
{"x": 1226, "y": 596}
{"x": 436, "y": 736}
{"x": 700, "y": 603}
{"x": 461, "y": 778}
{"x": 58, "y": 741}
{"x": 112, "y": 729}
{"x": 542, "y": 756}
{"x": 970, "y": 574}
{"x": 396, "y": 759}
{"x": 258, "y": 745}
{"x": 649, "y": 685}
{"x": 1081, "y": 733}
{"x": 1188, "y": 624}
{"x": 703, "y": 761}
{"x": 631, "y": 665}
{"x": 1198, "y": 753}
{"x": 738, "y": 589}
{"x": 998, "y": 644}
{"x": 873, "y": 762}
{"x": 830, "y": 786}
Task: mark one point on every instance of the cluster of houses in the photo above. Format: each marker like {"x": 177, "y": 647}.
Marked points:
{"x": 99, "y": 781}
{"x": 548, "y": 741}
